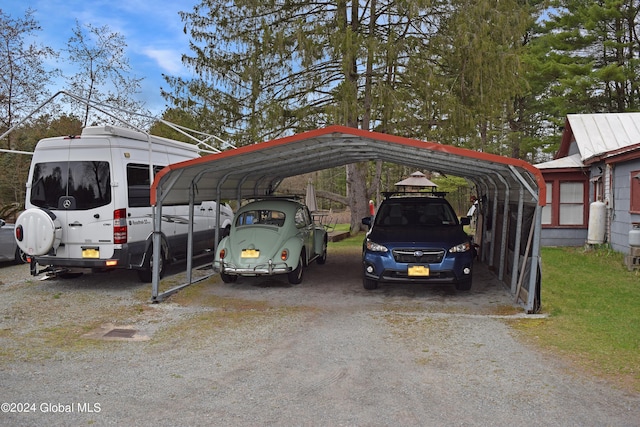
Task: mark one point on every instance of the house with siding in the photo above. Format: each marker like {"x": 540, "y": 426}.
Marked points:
{"x": 593, "y": 183}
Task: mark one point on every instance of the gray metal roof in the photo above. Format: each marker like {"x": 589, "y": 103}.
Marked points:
{"x": 572, "y": 161}
{"x": 597, "y": 134}
{"x": 258, "y": 169}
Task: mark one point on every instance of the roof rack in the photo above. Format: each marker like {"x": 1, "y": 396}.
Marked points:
{"x": 440, "y": 194}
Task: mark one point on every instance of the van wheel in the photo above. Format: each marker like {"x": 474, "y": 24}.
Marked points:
{"x": 20, "y": 257}
{"x": 146, "y": 274}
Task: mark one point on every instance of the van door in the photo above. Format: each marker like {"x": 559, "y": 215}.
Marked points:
{"x": 73, "y": 181}
{"x": 136, "y": 192}
{"x": 139, "y": 213}
{"x": 88, "y": 206}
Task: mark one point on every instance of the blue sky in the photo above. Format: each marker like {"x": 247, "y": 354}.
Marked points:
{"x": 152, "y": 29}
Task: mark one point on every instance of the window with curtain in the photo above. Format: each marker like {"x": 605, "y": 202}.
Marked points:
{"x": 571, "y": 203}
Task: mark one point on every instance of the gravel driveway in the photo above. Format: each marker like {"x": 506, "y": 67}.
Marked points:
{"x": 262, "y": 352}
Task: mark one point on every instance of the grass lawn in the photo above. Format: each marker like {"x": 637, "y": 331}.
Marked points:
{"x": 592, "y": 303}
{"x": 593, "y": 307}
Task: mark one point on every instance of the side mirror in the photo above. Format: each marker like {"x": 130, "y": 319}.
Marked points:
{"x": 465, "y": 220}
{"x": 366, "y": 221}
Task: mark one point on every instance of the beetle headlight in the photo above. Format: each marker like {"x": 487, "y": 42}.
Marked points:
{"x": 462, "y": 247}
{"x": 376, "y": 247}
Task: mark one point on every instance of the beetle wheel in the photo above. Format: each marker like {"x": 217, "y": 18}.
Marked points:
{"x": 295, "y": 276}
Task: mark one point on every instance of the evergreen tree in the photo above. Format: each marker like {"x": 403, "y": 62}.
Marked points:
{"x": 266, "y": 69}
{"x": 591, "y": 55}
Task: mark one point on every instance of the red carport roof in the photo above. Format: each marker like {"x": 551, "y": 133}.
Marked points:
{"x": 258, "y": 169}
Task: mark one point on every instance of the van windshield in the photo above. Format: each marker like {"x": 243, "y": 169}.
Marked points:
{"x": 86, "y": 184}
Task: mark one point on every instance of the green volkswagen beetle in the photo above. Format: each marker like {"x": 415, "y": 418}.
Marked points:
{"x": 268, "y": 237}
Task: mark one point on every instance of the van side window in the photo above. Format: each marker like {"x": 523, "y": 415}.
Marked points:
{"x": 86, "y": 183}
{"x": 138, "y": 185}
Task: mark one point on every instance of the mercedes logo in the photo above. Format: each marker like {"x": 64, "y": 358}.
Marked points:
{"x": 66, "y": 204}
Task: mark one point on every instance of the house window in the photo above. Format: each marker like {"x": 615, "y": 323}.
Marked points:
{"x": 567, "y": 200}
{"x": 635, "y": 192}
{"x": 548, "y": 209}
{"x": 571, "y": 203}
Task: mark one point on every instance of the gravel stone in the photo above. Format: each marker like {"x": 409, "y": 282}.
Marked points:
{"x": 262, "y": 352}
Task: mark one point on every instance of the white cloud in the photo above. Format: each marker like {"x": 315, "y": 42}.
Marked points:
{"x": 168, "y": 60}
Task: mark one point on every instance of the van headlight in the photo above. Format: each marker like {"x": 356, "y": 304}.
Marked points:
{"x": 375, "y": 247}
{"x": 462, "y": 247}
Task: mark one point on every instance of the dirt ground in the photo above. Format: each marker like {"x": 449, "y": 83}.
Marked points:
{"x": 263, "y": 352}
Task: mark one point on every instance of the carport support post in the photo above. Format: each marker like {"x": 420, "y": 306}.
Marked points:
{"x": 494, "y": 218}
{"x": 483, "y": 230}
{"x": 190, "y": 233}
{"x": 155, "y": 272}
{"x": 535, "y": 260}
{"x": 516, "y": 249}
{"x": 505, "y": 231}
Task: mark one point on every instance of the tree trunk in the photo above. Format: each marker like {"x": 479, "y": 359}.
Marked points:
{"x": 357, "y": 195}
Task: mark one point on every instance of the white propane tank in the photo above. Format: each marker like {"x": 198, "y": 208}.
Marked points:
{"x": 597, "y": 220}
{"x": 634, "y": 235}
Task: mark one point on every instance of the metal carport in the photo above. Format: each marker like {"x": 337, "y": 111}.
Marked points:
{"x": 513, "y": 192}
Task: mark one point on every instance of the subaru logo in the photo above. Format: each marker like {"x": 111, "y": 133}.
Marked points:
{"x": 418, "y": 254}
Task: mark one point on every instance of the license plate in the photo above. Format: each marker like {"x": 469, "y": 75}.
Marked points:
{"x": 90, "y": 253}
{"x": 250, "y": 253}
{"x": 418, "y": 270}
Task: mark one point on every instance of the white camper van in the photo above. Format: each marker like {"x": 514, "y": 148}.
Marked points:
{"x": 87, "y": 204}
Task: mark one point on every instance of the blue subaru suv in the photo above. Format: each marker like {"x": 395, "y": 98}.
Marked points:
{"x": 417, "y": 239}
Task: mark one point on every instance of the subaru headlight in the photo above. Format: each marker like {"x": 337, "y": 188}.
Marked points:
{"x": 376, "y": 247}
{"x": 462, "y": 247}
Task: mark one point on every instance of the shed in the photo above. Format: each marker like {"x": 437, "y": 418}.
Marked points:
{"x": 513, "y": 191}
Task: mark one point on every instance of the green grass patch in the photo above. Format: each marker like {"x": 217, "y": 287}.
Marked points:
{"x": 592, "y": 301}
{"x": 350, "y": 242}
{"x": 342, "y": 227}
